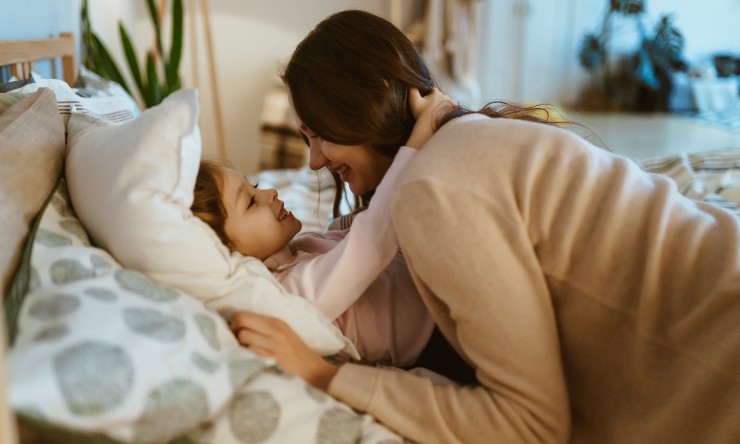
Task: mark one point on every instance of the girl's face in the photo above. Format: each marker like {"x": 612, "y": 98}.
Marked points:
{"x": 257, "y": 224}
{"x": 358, "y": 165}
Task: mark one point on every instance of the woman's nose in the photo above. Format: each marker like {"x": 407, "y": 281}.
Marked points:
{"x": 316, "y": 159}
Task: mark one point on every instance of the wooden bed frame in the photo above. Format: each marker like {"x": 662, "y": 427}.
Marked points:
{"x": 20, "y": 55}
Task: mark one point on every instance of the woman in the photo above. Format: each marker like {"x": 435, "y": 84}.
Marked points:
{"x": 595, "y": 302}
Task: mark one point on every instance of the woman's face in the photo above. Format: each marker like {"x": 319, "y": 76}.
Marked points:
{"x": 257, "y": 223}
{"x": 358, "y": 165}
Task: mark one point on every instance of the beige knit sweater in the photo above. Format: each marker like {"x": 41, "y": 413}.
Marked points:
{"x": 597, "y": 304}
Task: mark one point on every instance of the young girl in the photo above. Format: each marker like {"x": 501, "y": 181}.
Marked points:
{"x": 356, "y": 276}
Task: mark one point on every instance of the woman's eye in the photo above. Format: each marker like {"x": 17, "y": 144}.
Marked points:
{"x": 306, "y": 138}
{"x": 251, "y": 202}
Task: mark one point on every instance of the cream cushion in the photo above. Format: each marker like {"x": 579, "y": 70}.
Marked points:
{"x": 31, "y": 149}
{"x": 132, "y": 187}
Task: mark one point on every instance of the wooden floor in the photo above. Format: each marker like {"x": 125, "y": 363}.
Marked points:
{"x": 641, "y": 136}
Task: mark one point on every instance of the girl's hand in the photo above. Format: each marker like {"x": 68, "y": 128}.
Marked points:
{"x": 426, "y": 110}
{"x": 271, "y": 337}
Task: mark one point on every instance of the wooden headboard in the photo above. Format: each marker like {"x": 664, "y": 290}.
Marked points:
{"x": 21, "y": 54}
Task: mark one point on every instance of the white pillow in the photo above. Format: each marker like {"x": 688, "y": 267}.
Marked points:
{"x": 132, "y": 186}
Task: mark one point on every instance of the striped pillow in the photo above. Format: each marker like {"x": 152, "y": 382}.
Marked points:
{"x": 113, "y": 109}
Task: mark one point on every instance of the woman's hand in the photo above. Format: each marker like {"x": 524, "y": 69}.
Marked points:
{"x": 271, "y": 337}
{"x": 426, "y": 110}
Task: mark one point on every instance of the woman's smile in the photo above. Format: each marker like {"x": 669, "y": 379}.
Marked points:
{"x": 341, "y": 171}
{"x": 360, "y": 166}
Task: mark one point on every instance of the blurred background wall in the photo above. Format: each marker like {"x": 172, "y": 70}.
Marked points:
{"x": 525, "y": 50}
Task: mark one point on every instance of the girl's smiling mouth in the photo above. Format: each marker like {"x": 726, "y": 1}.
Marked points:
{"x": 283, "y": 213}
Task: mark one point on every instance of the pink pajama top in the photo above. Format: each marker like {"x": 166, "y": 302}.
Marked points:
{"x": 358, "y": 278}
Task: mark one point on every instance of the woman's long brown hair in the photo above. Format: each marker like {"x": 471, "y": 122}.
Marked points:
{"x": 349, "y": 80}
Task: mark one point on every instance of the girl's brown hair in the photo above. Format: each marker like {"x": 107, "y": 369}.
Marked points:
{"x": 349, "y": 80}
{"x": 207, "y": 203}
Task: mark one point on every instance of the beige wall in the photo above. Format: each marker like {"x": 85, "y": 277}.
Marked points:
{"x": 252, "y": 42}
{"x": 251, "y": 38}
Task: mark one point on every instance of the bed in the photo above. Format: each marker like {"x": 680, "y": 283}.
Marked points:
{"x": 99, "y": 351}
{"x": 107, "y": 344}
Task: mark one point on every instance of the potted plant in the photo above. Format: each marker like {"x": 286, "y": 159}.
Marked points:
{"x": 642, "y": 80}
{"x": 160, "y": 74}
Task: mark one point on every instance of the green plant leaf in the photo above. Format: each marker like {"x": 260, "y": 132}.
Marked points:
{"x": 172, "y": 70}
{"x": 154, "y": 82}
{"x": 645, "y": 71}
{"x": 95, "y": 61}
{"x": 155, "y": 87}
{"x": 592, "y": 52}
{"x": 154, "y": 15}
{"x": 91, "y": 49}
{"x": 133, "y": 64}
{"x": 86, "y": 32}
{"x": 105, "y": 64}
{"x": 668, "y": 42}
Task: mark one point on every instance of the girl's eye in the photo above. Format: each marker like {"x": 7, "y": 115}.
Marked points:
{"x": 251, "y": 199}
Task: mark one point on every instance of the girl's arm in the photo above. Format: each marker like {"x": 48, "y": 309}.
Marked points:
{"x": 335, "y": 280}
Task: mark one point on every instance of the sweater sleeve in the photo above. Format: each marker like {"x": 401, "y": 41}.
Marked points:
{"x": 335, "y": 280}
{"x": 485, "y": 289}
{"x": 580, "y": 288}
{"x": 509, "y": 338}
